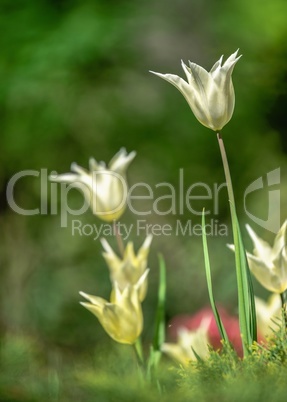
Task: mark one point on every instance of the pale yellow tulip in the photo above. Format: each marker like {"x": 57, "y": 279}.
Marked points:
{"x": 127, "y": 270}
{"x": 121, "y": 318}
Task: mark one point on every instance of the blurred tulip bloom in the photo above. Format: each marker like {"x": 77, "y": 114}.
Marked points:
{"x": 189, "y": 344}
{"x": 127, "y": 270}
{"x": 269, "y": 264}
{"x": 104, "y": 188}
{"x": 193, "y": 322}
{"x": 122, "y": 317}
{"x": 268, "y": 314}
{"x": 209, "y": 94}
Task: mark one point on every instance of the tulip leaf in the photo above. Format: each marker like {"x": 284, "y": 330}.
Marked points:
{"x": 245, "y": 281}
{"x": 253, "y": 320}
{"x": 159, "y": 333}
{"x": 218, "y": 320}
{"x": 246, "y": 303}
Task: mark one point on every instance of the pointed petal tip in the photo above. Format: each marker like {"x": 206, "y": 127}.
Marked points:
{"x": 147, "y": 241}
{"x": 251, "y": 233}
{"x": 105, "y": 243}
{"x": 86, "y": 296}
{"x": 64, "y": 178}
{"x": 132, "y": 154}
{"x": 249, "y": 229}
{"x": 86, "y": 305}
{"x": 220, "y": 60}
{"x": 234, "y": 56}
{"x": 123, "y": 152}
{"x": 142, "y": 279}
{"x": 155, "y": 73}
{"x": 92, "y": 162}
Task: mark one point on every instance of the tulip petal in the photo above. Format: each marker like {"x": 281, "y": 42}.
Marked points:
{"x": 179, "y": 83}
{"x": 261, "y": 248}
{"x": 95, "y": 166}
{"x": 189, "y": 344}
{"x": 202, "y": 81}
{"x": 122, "y": 318}
{"x": 64, "y": 178}
{"x": 233, "y": 57}
{"x": 97, "y": 301}
{"x": 120, "y": 162}
{"x": 267, "y": 276}
{"x": 280, "y": 241}
{"x": 96, "y": 310}
{"x": 268, "y": 314}
{"x": 280, "y": 267}
{"x": 216, "y": 65}
{"x": 110, "y": 256}
{"x": 129, "y": 269}
{"x": 78, "y": 169}
{"x": 176, "y": 352}
{"x": 187, "y": 71}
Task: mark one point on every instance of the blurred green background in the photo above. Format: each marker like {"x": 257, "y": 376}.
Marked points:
{"x": 75, "y": 84}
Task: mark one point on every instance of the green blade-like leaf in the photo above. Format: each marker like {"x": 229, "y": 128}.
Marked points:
{"x": 246, "y": 303}
{"x": 218, "y": 320}
{"x": 159, "y": 333}
{"x": 250, "y": 305}
{"x": 253, "y": 319}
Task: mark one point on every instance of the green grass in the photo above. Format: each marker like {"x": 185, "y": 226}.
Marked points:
{"x": 34, "y": 372}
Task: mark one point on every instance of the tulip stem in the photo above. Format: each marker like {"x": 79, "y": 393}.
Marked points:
{"x": 119, "y": 239}
{"x": 226, "y": 169}
{"x": 139, "y": 351}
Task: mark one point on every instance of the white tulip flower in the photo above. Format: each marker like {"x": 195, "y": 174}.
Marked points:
{"x": 209, "y": 94}
{"x": 189, "y": 344}
{"x": 104, "y": 188}
{"x": 269, "y": 264}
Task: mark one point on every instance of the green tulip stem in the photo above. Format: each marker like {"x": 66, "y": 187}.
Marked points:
{"x": 119, "y": 239}
{"x": 137, "y": 347}
{"x": 139, "y": 351}
{"x": 226, "y": 169}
